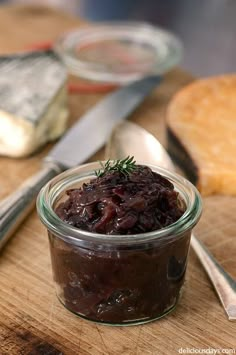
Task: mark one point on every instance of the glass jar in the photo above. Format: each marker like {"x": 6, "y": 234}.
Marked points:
{"x": 117, "y": 279}
{"x": 118, "y": 52}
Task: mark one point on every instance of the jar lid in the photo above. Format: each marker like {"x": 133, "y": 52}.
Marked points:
{"x": 118, "y": 52}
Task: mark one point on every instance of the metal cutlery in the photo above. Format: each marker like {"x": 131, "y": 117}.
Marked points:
{"x": 130, "y": 139}
{"x": 76, "y": 146}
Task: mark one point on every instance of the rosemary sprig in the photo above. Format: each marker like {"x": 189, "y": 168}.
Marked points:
{"x": 124, "y": 166}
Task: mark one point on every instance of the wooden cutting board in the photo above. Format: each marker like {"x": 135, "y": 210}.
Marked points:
{"x": 32, "y": 321}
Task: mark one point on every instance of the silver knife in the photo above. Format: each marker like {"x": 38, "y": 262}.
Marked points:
{"x": 76, "y": 146}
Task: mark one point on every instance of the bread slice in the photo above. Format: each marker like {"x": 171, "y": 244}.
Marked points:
{"x": 201, "y": 128}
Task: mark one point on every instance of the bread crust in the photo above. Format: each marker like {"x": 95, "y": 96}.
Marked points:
{"x": 201, "y": 130}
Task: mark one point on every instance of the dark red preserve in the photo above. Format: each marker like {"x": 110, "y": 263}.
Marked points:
{"x": 117, "y": 203}
{"x": 119, "y": 247}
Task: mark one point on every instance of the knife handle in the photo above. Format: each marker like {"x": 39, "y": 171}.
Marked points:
{"x": 14, "y": 208}
{"x": 224, "y": 284}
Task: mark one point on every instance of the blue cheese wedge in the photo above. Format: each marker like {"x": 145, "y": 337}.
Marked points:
{"x": 33, "y": 102}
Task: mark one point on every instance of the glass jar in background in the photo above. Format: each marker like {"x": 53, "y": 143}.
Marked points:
{"x": 117, "y": 279}
{"x": 118, "y": 53}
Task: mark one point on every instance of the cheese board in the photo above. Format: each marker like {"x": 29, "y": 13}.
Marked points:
{"x": 32, "y": 321}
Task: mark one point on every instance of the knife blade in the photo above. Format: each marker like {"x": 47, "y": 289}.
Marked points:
{"x": 76, "y": 146}
{"x": 94, "y": 128}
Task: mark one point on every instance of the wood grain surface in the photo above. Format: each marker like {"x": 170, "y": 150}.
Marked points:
{"x": 32, "y": 321}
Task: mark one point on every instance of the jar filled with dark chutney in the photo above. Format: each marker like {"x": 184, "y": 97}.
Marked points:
{"x": 119, "y": 239}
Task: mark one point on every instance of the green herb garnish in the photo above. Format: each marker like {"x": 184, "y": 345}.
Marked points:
{"x": 124, "y": 166}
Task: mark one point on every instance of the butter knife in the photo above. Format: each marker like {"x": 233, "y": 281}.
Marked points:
{"x": 76, "y": 146}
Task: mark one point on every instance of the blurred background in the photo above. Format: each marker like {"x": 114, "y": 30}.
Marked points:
{"x": 206, "y": 27}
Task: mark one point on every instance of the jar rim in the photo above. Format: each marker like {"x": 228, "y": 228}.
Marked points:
{"x": 75, "y": 235}
{"x": 165, "y": 47}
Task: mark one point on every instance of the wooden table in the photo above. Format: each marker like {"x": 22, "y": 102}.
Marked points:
{"x": 32, "y": 321}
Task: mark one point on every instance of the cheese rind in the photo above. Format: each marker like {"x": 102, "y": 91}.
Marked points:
{"x": 201, "y": 118}
{"x": 20, "y": 138}
{"x": 33, "y": 102}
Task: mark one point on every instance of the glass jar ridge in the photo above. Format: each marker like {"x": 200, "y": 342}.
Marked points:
{"x": 117, "y": 279}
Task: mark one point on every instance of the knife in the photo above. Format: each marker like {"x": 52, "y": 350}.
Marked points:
{"x": 76, "y": 146}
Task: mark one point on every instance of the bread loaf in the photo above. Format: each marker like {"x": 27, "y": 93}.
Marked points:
{"x": 201, "y": 128}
